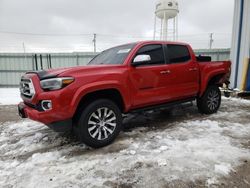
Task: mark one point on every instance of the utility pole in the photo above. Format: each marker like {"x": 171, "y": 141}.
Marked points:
{"x": 94, "y": 41}
{"x": 211, "y": 41}
{"x": 24, "y": 52}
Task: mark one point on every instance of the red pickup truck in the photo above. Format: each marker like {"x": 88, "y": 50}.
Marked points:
{"x": 139, "y": 76}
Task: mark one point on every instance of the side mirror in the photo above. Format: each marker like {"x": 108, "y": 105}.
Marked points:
{"x": 141, "y": 60}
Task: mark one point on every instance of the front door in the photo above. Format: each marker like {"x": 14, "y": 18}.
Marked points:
{"x": 149, "y": 81}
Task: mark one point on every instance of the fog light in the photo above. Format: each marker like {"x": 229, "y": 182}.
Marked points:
{"x": 46, "y": 105}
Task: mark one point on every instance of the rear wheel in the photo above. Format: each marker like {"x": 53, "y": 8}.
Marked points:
{"x": 210, "y": 102}
{"x": 99, "y": 123}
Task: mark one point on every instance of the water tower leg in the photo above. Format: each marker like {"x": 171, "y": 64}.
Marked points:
{"x": 177, "y": 28}
{"x": 174, "y": 30}
{"x": 161, "y": 30}
{"x": 155, "y": 28}
{"x": 165, "y": 28}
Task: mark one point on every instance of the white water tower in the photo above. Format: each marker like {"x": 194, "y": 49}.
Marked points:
{"x": 166, "y": 10}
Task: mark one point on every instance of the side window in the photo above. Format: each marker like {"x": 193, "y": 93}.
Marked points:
{"x": 178, "y": 53}
{"x": 155, "y": 52}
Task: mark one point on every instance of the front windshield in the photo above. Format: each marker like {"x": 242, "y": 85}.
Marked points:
{"x": 113, "y": 56}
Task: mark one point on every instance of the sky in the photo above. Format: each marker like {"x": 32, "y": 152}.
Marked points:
{"x": 69, "y": 25}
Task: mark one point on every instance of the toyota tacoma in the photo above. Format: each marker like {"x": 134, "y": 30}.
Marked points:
{"x": 91, "y": 99}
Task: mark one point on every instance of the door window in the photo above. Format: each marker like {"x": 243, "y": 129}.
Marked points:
{"x": 155, "y": 52}
{"x": 177, "y": 53}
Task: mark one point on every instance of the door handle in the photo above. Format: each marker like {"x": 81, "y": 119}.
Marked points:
{"x": 193, "y": 69}
{"x": 165, "y": 72}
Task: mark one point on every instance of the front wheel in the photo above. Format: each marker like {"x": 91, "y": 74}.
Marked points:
{"x": 99, "y": 123}
{"x": 210, "y": 102}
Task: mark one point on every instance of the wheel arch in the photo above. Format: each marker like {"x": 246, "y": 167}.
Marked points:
{"x": 216, "y": 78}
{"x": 211, "y": 100}
{"x": 112, "y": 94}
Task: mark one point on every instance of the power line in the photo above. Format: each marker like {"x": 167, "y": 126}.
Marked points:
{"x": 89, "y": 41}
{"x": 102, "y": 35}
{"x": 43, "y": 34}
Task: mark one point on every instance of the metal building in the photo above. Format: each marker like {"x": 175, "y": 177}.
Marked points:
{"x": 215, "y": 54}
{"x": 240, "y": 51}
{"x": 13, "y": 65}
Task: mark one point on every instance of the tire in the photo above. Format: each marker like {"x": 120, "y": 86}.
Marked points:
{"x": 210, "y": 102}
{"x": 227, "y": 94}
{"x": 99, "y": 123}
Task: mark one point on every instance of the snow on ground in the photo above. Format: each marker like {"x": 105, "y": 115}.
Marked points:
{"x": 9, "y": 96}
{"x": 185, "y": 147}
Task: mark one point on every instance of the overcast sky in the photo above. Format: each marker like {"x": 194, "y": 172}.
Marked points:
{"x": 68, "y": 25}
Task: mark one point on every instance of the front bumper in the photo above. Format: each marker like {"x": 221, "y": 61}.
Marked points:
{"x": 59, "y": 116}
{"x": 45, "y": 117}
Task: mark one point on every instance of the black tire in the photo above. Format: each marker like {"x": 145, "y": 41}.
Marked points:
{"x": 210, "y": 102}
{"x": 227, "y": 94}
{"x": 89, "y": 133}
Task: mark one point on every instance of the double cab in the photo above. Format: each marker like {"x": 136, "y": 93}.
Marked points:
{"x": 91, "y": 99}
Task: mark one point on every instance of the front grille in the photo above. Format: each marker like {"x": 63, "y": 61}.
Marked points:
{"x": 27, "y": 88}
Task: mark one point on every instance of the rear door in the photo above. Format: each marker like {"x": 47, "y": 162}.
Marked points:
{"x": 183, "y": 80}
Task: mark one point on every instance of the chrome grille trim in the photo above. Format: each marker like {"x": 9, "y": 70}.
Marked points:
{"x": 27, "y": 88}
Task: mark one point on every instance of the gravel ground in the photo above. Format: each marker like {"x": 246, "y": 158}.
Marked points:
{"x": 9, "y": 114}
{"x": 170, "y": 148}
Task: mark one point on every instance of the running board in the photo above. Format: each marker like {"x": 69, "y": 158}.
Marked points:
{"x": 164, "y": 106}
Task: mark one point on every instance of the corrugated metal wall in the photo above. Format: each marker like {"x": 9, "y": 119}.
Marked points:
{"x": 12, "y": 66}
{"x": 216, "y": 54}
{"x": 240, "y": 44}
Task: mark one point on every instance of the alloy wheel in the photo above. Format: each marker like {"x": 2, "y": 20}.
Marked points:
{"x": 102, "y": 123}
{"x": 213, "y": 100}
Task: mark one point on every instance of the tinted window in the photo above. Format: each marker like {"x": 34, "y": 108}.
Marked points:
{"x": 115, "y": 55}
{"x": 155, "y": 52}
{"x": 178, "y": 53}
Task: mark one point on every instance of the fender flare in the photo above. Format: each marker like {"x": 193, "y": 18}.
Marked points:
{"x": 99, "y": 86}
{"x": 205, "y": 80}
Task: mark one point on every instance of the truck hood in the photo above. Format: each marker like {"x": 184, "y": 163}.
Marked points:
{"x": 46, "y": 74}
{"x": 53, "y": 73}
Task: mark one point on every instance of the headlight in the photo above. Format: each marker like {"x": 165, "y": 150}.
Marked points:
{"x": 56, "y": 83}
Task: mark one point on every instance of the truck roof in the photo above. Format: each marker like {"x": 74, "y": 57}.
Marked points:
{"x": 152, "y": 42}
{"x": 160, "y": 41}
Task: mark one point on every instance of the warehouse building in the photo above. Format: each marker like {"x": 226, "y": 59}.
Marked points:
{"x": 240, "y": 51}
{"x": 13, "y": 65}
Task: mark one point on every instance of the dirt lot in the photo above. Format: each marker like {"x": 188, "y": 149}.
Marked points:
{"x": 171, "y": 148}
{"x": 8, "y": 113}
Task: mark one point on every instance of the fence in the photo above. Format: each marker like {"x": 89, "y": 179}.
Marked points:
{"x": 13, "y": 65}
